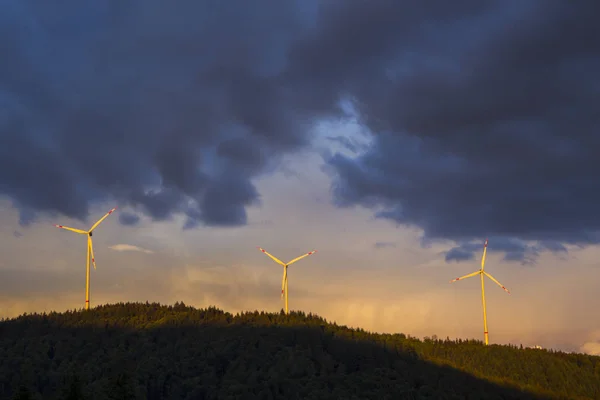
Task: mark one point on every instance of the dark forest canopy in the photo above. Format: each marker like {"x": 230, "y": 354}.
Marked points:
{"x": 151, "y": 351}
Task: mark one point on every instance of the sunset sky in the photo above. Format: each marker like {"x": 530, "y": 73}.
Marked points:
{"x": 393, "y": 137}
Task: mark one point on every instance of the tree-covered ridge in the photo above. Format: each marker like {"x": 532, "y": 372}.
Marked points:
{"x": 149, "y": 351}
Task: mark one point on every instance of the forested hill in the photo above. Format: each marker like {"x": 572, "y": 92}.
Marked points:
{"x": 149, "y": 351}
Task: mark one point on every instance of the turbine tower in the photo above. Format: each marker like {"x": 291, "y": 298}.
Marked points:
{"x": 481, "y": 273}
{"x": 284, "y": 282}
{"x": 90, "y": 252}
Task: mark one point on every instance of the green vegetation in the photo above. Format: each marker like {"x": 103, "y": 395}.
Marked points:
{"x": 149, "y": 351}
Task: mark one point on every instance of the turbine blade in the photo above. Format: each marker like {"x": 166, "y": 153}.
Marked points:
{"x": 466, "y": 276}
{"x": 301, "y": 257}
{"x": 283, "y": 281}
{"x": 102, "y": 219}
{"x": 70, "y": 229}
{"x": 484, "y": 254}
{"x": 92, "y": 251}
{"x": 498, "y": 283}
{"x": 277, "y": 260}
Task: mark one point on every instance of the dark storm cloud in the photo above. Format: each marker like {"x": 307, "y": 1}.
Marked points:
{"x": 483, "y": 113}
{"x": 167, "y": 109}
{"x": 484, "y": 124}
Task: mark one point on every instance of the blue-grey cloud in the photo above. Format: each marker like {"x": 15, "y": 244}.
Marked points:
{"x": 346, "y": 142}
{"x": 383, "y": 245}
{"x": 513, "y": 249}
{"x": 127, "y": 218}
{"x": 459, "y": 254}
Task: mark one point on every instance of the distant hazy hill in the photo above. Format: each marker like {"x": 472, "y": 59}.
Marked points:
{"x": 149, "y": 351}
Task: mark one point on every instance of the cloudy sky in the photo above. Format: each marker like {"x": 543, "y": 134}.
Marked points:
{"x": 393, "y": 137}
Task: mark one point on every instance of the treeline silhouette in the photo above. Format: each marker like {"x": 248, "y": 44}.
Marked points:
{"x": 150, "y": 351}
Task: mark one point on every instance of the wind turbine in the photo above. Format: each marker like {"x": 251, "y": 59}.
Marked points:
{"x": 481, "y": 273}
{"x": 90, "y": 252}
{"x": 284, "y": 282}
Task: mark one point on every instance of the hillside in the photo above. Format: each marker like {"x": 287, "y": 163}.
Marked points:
{"x": 149, "y": 351}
